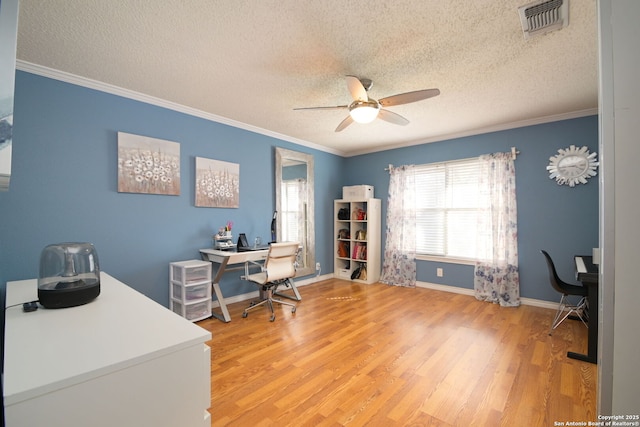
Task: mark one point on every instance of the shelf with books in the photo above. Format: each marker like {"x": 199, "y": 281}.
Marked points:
{"x": 357, "y": 229}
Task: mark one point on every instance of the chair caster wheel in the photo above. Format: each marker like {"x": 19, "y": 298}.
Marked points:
{"x": 293, "y": 310}
{"x": 245, "y": 314}
{"x": 273, "y": 317}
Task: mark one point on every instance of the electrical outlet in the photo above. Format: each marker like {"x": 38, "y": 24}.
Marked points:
{"x": 317, "y": 266}
{"x": 439, "y": 272}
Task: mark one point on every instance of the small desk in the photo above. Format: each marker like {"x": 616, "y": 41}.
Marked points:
{"x": 587, "y": 273}
{"x": 221, "y": 262}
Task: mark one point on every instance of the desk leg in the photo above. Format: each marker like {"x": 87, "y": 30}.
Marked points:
{"x": 592, "y": 340}
{"x": 225, "y": 317}
{"x": 223, "y": 306}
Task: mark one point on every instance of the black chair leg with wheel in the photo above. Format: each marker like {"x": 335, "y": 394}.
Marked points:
{"x": 268, "y": 301}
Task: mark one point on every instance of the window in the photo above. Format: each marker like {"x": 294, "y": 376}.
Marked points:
{"x": 447, "y": 208}
{"x": 290, "y": 215}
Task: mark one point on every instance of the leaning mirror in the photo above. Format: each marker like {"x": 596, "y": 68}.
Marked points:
{"x": 294, "y": 203}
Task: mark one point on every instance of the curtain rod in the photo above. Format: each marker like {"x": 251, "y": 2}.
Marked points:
{"x": 514, "y": 154}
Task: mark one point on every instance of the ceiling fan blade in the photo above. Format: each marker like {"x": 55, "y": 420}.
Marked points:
{"x": 337, "y": 107}
{"x": 343, "y": 124}
{"x": 405, "y": 98}
{"x": 391, "y": 117}
{"x": 358, "y": 92}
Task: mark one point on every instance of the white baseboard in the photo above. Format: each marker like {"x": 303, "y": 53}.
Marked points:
{"x": 465, "y": 291}
{"x": 445, "y": 288}
{"x": 255, "y": 294}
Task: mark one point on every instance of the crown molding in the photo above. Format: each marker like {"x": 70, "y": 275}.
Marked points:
{"x": 137, "y": 96}
{"x": 480, "y": 131}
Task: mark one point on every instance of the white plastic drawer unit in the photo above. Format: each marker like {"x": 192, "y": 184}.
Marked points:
{"x": 193, "y": 312}
{"x": 190, "y": 289}
{"x": 191, "y": 293}
{"x": 191, "y": 272}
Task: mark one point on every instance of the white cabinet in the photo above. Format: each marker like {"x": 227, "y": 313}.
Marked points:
{"x": 190, "y": 289}
{"x": 120, "y": 360}
{"x": 357, "y": 239}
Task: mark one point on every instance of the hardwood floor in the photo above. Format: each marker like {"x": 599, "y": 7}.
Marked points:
{"x": 380, "y": 355}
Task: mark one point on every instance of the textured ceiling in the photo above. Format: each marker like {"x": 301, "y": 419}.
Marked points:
{"x": 251, "y": 63}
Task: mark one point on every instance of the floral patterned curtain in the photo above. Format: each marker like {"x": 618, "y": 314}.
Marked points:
{"x": 399, "y": 266}
{"x": 496, "y": 277}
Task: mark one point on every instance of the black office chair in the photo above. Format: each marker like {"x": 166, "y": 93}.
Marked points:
{"x": 278, "y": 268}
{"x": 579, "y": 310}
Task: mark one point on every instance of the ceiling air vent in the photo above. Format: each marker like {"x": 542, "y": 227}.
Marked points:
{"x": 540, "y": 17}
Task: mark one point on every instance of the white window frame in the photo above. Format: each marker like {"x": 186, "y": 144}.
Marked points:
{"x": 290, "y": 191}
{"x": 446, "y": 203}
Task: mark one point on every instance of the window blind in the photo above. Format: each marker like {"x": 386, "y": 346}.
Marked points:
{"x": 290, "y": 191}
{"x": 447, "y": 208}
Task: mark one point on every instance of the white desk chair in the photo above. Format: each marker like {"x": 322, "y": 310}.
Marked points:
{"x": 279, "y": 267}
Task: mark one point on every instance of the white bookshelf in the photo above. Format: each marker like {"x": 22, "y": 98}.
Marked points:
{"x": 359, "y": 234}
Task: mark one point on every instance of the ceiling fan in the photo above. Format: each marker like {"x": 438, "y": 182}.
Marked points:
{"x": 364, "y": 109}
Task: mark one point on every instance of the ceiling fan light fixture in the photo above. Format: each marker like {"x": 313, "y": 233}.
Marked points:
{"x": 364, "y": 111}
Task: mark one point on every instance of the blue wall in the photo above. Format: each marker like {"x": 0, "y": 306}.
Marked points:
{"x": 559, "y": 219}
{"x": 64, "y": 188}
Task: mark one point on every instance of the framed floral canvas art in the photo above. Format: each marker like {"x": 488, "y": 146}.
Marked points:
{"x": 217, "y": 183}
{"x": 148, "y": 165}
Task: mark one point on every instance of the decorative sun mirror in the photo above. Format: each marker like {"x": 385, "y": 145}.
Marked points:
{"x": 294, "y": 203}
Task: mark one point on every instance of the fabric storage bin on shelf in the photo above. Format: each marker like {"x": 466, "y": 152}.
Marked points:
{"x": 357, "y": 192}
{"x": 344, "y": 273}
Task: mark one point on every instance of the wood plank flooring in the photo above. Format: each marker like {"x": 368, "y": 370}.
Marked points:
{"x": 380, "y": 355}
